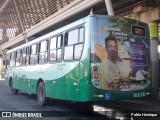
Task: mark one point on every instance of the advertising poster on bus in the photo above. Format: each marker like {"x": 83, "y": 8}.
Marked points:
{"x": 121, "y": 50}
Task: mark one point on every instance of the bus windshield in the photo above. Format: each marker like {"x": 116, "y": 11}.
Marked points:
{"x": 120, "y": 52}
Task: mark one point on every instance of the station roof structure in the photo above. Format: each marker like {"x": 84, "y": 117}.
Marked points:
{"x": 24, "y": 20}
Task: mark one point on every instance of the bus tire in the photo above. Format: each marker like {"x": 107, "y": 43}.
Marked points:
{"x": 13, "y": 90}
{"x": 41, "y": 95}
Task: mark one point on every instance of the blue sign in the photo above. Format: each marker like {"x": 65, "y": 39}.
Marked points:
{"x": 108, "y": 96}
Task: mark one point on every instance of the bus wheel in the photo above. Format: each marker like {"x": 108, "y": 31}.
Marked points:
{"x": 13, "y": 90}
{"x": 41, "y": 94}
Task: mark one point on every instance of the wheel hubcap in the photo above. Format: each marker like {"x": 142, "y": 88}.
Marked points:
{"x": 41, "y": 94}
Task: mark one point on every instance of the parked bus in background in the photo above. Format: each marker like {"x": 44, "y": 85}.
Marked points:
{"x": 96, "y": 58}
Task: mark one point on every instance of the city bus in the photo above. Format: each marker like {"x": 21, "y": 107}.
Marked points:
{"x": 96, "y": 58}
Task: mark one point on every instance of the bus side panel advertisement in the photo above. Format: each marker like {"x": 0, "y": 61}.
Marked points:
{"x": 121, "y": 52}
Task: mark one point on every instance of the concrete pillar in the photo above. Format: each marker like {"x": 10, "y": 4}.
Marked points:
{"x": 143, "y": 13}
{"x": 151, "y": 15}
{"x": 109, "y": 7}
{"x": 153, "y": 26}
{"x": 1, "y": 68}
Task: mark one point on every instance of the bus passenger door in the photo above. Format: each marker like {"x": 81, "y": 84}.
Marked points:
{"x": 25, "y": 81}
{"x": 16, "y": 80}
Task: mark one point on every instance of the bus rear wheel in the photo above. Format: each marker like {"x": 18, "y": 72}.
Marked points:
{"x": 13, "y": 90}
{"x": 41, "y": 94}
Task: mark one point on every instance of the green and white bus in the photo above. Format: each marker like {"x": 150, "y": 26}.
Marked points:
{"x": 96, "y": 58}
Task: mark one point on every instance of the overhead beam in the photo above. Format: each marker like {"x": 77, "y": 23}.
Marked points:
{"x": 4, "y": 4}
{"x": 64, "y": 13}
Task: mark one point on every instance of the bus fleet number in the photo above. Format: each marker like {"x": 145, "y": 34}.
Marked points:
{"x": 137, "y": 95}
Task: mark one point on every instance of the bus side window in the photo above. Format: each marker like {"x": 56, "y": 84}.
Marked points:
{"x": 59, "y": 48}
{"x": 78, "y": 51}
{"x": 81, "y": 35}
{"x": 53, "y": 52}
{"x": 79, "y": 47}
{"x": 24, "y": 56}
{"x": 7, "y": 61}
{"x": 43, "y": 52}
{"x": 34, "y": 54}
{"x": 13, "y": 57}
{"x": 28, "y": 55}
{"x": 74, "y": 44}
{"x": 73, "y": 37}
{"x": 18, "y": 58}
{"x": 68, "y": 53}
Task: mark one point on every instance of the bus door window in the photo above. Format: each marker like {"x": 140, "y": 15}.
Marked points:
{"x": 43, "y": 55}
